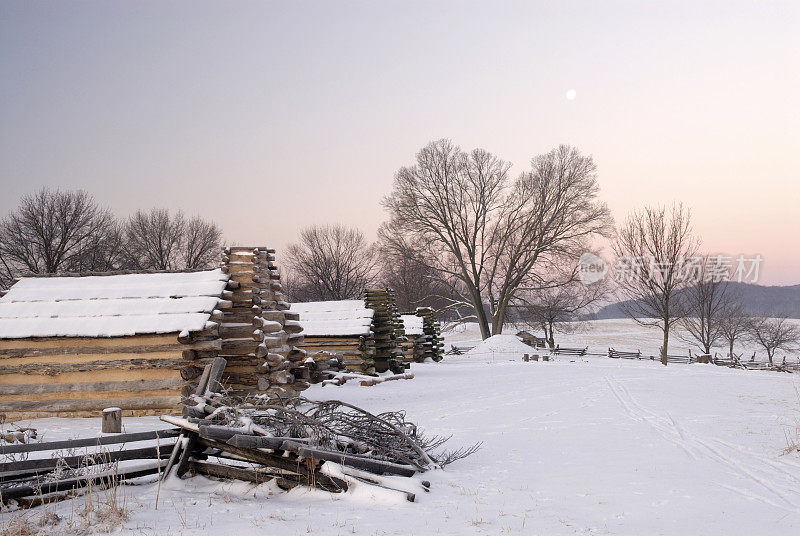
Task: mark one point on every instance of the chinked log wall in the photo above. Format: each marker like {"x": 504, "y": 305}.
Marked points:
{"x": 80, "y": 376}
{"x": 357, "y": 352}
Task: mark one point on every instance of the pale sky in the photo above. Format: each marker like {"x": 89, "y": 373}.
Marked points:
{"x": 270, "y": 116}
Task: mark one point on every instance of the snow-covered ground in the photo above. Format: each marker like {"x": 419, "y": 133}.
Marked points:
{"x": 620, "y": 334}
{"x": 572, "y": 446}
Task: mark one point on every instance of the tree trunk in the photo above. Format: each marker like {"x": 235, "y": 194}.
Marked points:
{"x": 665, "y": 345}
{"x": 730, "y": 355}
{"x": 480, "y": 313}
{"x": 499, "y": 317}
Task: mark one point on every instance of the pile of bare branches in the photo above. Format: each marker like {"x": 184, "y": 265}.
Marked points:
{"x": 326, "y": 444}
{"x": 340, "y": 427}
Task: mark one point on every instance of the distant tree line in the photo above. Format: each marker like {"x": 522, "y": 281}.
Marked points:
{"x": 54, "y": 231}
{"x": 464, "y": 236}
{"x": 335, "y": 262}
{"x": 669, "y": 292}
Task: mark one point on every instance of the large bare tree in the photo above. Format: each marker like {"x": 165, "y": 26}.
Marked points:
{"x": 55, "y": 231}
{"x": 773, "y": 334}
{"x": 158, "y": 240}
{"x": 709, "y": 302}
{"x": 331, "y": 262}
{"x": 486, "y": 235}
{"x": 653, "y": 249}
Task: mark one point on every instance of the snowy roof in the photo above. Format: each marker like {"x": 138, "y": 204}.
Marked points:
{"x": 334, "y": 318}
{"x": 413, "y": 324}
{"x": 110, "y": 305}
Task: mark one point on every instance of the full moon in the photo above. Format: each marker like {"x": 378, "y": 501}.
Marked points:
{"x": 571, "y": 94}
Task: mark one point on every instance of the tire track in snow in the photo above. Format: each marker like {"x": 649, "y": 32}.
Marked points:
{"x": 640, "y": 414}
{"x": 760, "y": 470}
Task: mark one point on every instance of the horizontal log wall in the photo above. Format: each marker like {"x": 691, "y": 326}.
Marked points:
{"x": 77, "y": 377}
{"x": 356, "y": 351}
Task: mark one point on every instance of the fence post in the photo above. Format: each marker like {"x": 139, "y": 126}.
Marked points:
{"x": 112, "y": 421}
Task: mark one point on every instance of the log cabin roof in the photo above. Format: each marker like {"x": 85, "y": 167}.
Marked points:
{"x": 110, "y": 305}
{"x": 413, "y": 324}
{"x": 340, "y": 318}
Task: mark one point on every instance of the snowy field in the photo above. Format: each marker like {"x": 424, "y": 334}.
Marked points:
{"x": 620, "y": 334}
{"x": 573, "y": 446}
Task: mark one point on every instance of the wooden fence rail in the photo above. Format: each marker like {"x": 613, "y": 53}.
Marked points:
{"x": 39, "y": 477}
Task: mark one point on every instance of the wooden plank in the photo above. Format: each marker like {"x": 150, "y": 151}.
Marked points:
{"x": 43, "y": 488}
{"x": 247, "y": 474}
{"x": 133, "y": 385}
{"x": 109, "y": 374}
{"x": 215, "y": 375}
{"x": 247, "y": 441}
{"x": 328, "y": 346}
{"x": 55, "y": 369}
{"x": 187, "y": 450}
{"x": 48, "y": 464}
{"x": 90, "y": 441}
{"x": 202, "y": 383}
{"x": 125, "y": 394}
{"x": 58, "y": 406}
{"x": 167, "y": 352}
{"x": 89, "y": 342}
{"x": 310, "y": 477}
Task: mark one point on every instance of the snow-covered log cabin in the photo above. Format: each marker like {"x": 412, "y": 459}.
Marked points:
{"x": 412, "y": 327}
{"x": 422, "y": 336}
{"x": 368, "y": 333}
{"x": 341, "y": 327}
{"x": 73, "y": 345}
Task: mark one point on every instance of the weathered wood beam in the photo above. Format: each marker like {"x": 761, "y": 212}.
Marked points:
{"x": 107, "y": 456}
{"x": 66, "y": 406}
{"x": 90, "y": 442}
{"x": 73, "y": 483}
{"x": 132, "y": 386}
{"x": 53, "y": 369}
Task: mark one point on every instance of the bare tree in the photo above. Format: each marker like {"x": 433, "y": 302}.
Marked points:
{"x": 55, "y": 231}
{"x": 153, "y": 240}
{"x": 709, "y": 300}
{"x": 485, "y": 236}
{"x": 157, "y": 240}
{"x": 775, "y": 334}
{"x": 331, "y": 262}
{"x": 734, "y": 325}
{"x": 652, "y": 250}
{"x": 414, "y": 282}
{"x": 104, "y": 252}
{"x": 201, "y": 244}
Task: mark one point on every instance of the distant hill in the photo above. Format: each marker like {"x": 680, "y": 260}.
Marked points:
{"x": 757, "y": 299}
